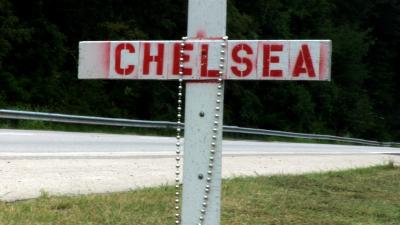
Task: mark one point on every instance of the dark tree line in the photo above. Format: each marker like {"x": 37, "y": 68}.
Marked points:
{"x": 39, "y": 50}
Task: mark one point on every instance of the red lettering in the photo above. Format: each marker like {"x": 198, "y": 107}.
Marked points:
{"x": 268, "y": 59}
{"x": 186, "y": 58}
{"x": 204, "y": 71}
{"x": 147, "y": 58}
{"x": 118, "y": 52}
{"x": 242, "y": 60}
{"x": 304, "y": 63}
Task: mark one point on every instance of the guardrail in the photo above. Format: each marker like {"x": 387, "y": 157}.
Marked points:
{"x": 64, "y": 118}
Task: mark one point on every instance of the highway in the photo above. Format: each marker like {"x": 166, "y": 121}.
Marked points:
{"x": 70, "y": 163}
{"x": 70, "y": 143}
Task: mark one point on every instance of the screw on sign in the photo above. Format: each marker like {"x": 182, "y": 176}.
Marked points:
{"x": 204, "y": 60}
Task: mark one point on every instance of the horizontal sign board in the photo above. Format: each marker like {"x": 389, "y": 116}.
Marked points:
{"x": 243, "y": 59}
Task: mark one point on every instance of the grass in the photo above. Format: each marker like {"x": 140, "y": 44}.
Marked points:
{"x": 356, "y": 197}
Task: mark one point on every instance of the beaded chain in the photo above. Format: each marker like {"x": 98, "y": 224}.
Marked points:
{"x": 215, "y": 130}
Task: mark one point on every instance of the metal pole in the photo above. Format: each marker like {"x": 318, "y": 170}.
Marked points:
{"x": 206, "y": 18}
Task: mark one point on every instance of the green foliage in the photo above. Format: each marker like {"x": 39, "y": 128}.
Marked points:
{"x": 11, "y": 31}
{"x": 38, "y": 61}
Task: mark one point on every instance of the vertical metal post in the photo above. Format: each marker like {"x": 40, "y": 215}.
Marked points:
{"x": 206, "y": 18}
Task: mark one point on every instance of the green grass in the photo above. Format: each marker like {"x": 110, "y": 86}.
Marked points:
{"x": 357, "y": 197}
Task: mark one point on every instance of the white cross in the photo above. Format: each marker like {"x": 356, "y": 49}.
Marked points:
{"x": 244, "y": 60}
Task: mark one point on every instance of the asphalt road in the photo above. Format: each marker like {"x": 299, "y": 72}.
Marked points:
{"x": 69, "y": 163}
{"x": 53, "y": 143}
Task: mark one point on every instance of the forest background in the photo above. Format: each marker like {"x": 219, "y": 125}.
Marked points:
{"x": 39, "y": 53}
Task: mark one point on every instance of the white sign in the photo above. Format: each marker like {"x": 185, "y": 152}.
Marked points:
{"x": 245, "y": 60}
